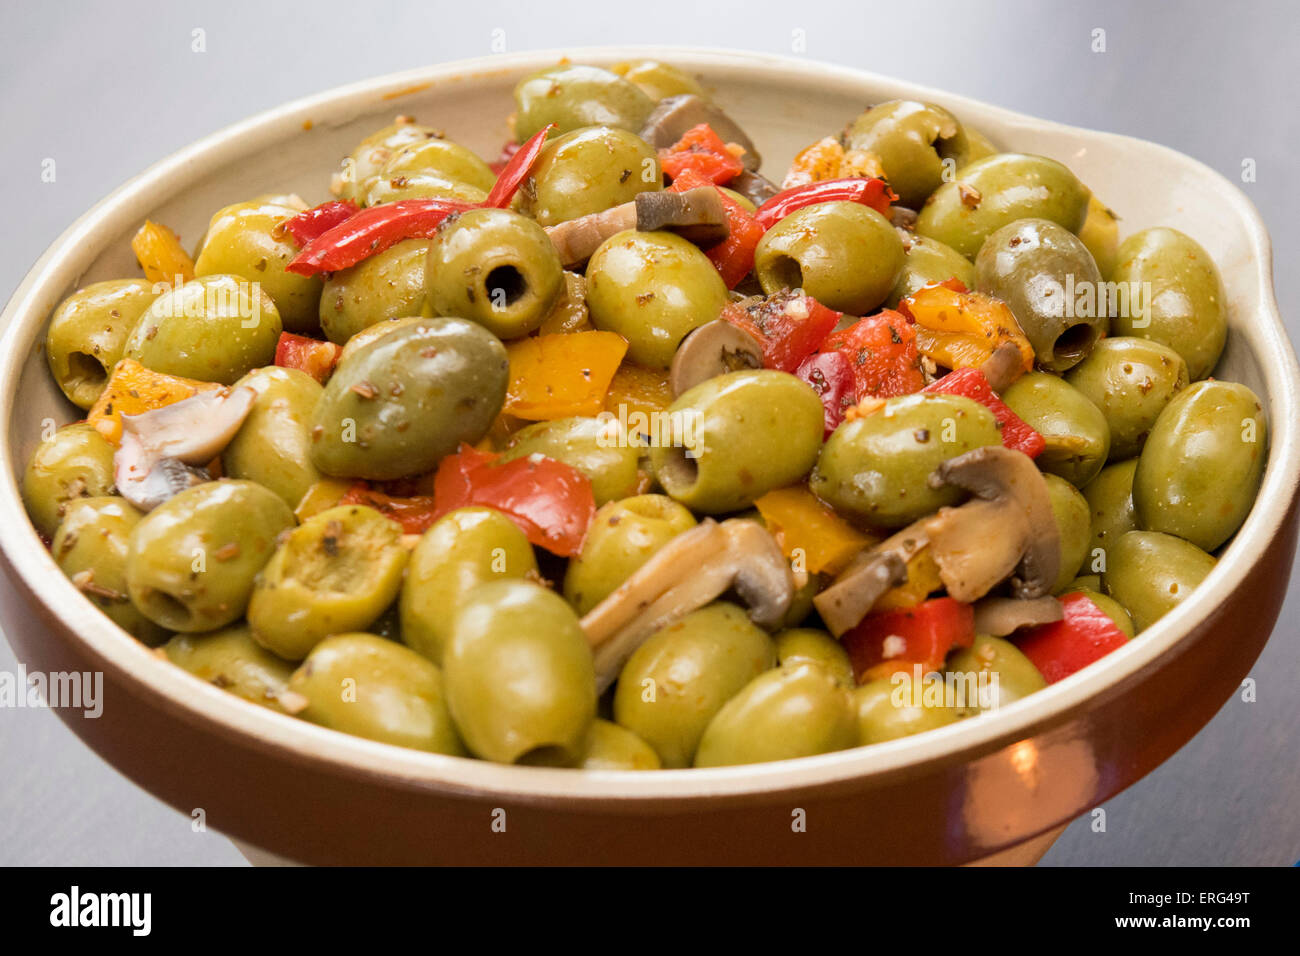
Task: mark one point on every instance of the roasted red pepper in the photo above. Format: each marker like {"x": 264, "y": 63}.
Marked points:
{"x": 311, "y": 223}
{"x": 873, "y": 193}
{"x": 372, "y": 231}
{"x": 550, "y": 501}
{"x": 789, "y": 325}
{"x": 882, "y": 351}
{"x": 312, "y": 356}
{"x": 831, "y": 376}
{"x": 1084, "y": 634}
{"x": 734, "y": 256}
{"x": 415, "y": 514}
{"x": 516, "y": 170}
{"x": 973, "y": 384}
{"x": 702, "y": 151}
{"x": 896, "y": 640}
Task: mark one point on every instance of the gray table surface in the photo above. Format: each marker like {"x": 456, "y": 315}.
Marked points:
{"x": 107, "y": 89}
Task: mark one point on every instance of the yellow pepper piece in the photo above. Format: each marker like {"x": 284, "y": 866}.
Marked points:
{"x": 321, "y": 496}
{"x": 132, "y": 389}
{"x": 803, "y": 525}
{"x": 922, "y": 581}
{"x": 961, "y": 329}
{"x": 556, "y": 376}
{"x": 827, "y": 159}
{"x": 636, "y": 389}
{"x": 160, "y": 254}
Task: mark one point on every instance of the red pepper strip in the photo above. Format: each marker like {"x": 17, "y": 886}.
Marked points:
{"x": 503, "y": 160}
{"x": 873, "y": 193}
{"x": 371, "y": 231}
{"x": 702, "y": 151}
{"x": 312, "y": 356}
{"x": 550, "y": 501}
{"x": 310, "y": 223}
{"x": 882, "y": 350}
{"x": 1084, "y": 634}
{"x": 734, "y": 256}
{"x": 831, "y": 377}
{"x": 972, "y": 383}
{"x": 925, "y": 634}
{"x": 517, "y": 170}
{"x": 788, "y": 325}
{"x": 414, "y": 514}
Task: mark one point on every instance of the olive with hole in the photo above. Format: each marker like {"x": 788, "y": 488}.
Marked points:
{"x": 876, "y": 468}
{"x": 797, "y": 710}
{"x": 1131, "y": 380}
{"x": 398, "y": 404}
{"x": 191, "y": 561}
{"x": 337, "y": 571}
{"x": 520, "y": 680}
{"x": 1110, "y": 508}
{"x": 387, "y": 285}
{"x": 808, "y": 645}
{"x": 737, "y": 437}
{"x": 87, "y": 335}
{"x": 431, "y": 169}
{"x": 1201, "y": 467}
{"x": 363, "y": 166}
{"x": 887, "y": 709}
{"x": 232, "y": 660}
{"x": 90, "y": 547}
{"x": 364, "y": 685}
{"x": 1108, "y": 606}
{"x": 463, "y": 549}
{"x": 1176, "y": 296}
{"x": 1150, "y": 573}
{"x": 1048, "y": 278}
{"x": 673, "y": 684}
{"x": 917, "y": 143}
{"x": 993, "y": 673}
{"x": 273, "y": 446}
{"x": 998, "y": 190}
{"x": 73, "y": 462}
{"x": 1077, "y": 436}
{"x": 1070, "y": 509}
{"x": 572, "y": 96}
{"x": 843, "y": 254}
{"x": 496, "y": 267}
{"x": 926, "y": 261}
{"x": 588, "y": 171}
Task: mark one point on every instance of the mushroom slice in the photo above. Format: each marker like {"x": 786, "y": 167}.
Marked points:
{"x": 675, "y": 115}
{"x": 692, "y": 570}
{"x": 1000, "y": 616}
{"x": 1003, "y": 366}
{"x": 576, "y": 239}
{"x": 715, "y": 348}
{"x": 754, "y": 186}
{"x": 697, "y": 215}
{"x": 1007, "y": 529}
{"x": 858, "y": 588}
{"x": 152, "y": 461}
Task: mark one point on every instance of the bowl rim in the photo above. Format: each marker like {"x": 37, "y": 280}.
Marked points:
{"x": 146, "y": 671}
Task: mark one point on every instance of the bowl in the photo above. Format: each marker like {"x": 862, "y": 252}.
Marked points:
{"x": 980, "y": 787}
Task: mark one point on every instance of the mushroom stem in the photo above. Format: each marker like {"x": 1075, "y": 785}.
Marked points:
{"x": 1000, "y": 616}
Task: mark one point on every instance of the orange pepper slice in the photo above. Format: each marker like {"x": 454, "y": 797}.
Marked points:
{"x": 959, "y": 329}
{"x": 132, "y": 389}
{"x": 803, "y": 525}
{"x": 161, "y": 255}
{"x": 556, "y": 376}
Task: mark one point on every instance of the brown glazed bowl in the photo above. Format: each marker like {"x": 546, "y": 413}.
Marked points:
{"x": 954, "y": 795}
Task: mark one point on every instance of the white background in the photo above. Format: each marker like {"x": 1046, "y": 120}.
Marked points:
{"x": 106, "y": 89}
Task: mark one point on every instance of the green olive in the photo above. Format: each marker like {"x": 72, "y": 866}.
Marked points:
{"x": 520, "y": 680}
{"x": 877, "y": 467}
{"x": 364, "y": 685}
{"x": 994, "y": 673}
{"x": 362, "y": 168}
{"x": 463, "y": 549}
{"x": 337, "y": 571}
{"x": 843, "y": 254}
{"x": 233, "y": 661}
{"x": 926, "y": 261}
{"x": 660, "y": 80}
{"x": 495, "y": 267}
{"x": 1100, "y": 233}
{"x": 586, "y": 171}
{"x": 398, "y": 404}
{"x": 1150, "y": 573}
{"x": 90, "y": 547}
{"x": 808, "y": 645}
{"x": 431, "y": 169}
{"x": 387, "y": 285}
{"x": 894, "y": 707}
{"x": 1086, "y": 582}
{"x": 1181, "y": 297}
{"x": 273, "y": 446}
{"x": 1201, "y": 467}
{"x": 798, "y": 710}
{"x": 1078, "y": 438}
{"x": 87, "y": 335}
{"x": 1131, "y": 380}
{"x": 611, "y": 747}
{"x": 248, "y": 240}
{"x": 73, "y": 462}
{"x": 738, "y": 436}
{"x": 1110, "y": 506}
{"x": 598, "y": 447}
{"x": 1110, "y": 607}
{"x": 915, "y": 142}
{"x": 1070, "y": 509}
{"x": 215, "y": 328}
{"x": 573, "y": 96}
{"x": 652, "y": 288}
{"x": 674, "y": 683}
{"x": 1048, "y": 278}
{"x": 997, "y": 190}
{"x": 192, "y": 560}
